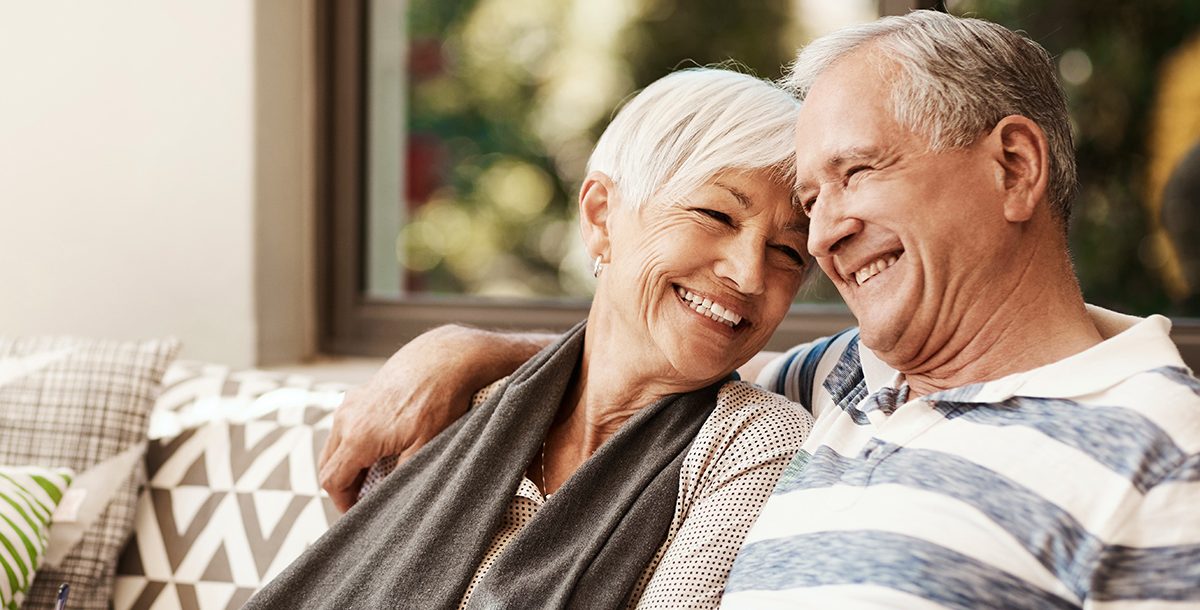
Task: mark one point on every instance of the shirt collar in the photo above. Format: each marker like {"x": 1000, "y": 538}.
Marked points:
{"x": 876, "y": 372}
{"x": 1131, "y": 345}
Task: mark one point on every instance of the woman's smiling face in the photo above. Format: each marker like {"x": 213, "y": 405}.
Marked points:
{"x": 697, "y": 287}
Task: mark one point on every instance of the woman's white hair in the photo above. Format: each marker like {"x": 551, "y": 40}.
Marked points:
{"x": 687, "y": 127}
{"x": 961, "y": 76}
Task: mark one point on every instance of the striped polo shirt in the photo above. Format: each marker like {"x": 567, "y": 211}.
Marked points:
{"x": 1073, "y": 485}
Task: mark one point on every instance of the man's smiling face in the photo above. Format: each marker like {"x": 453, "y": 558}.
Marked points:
{"x": 909, "y": 236}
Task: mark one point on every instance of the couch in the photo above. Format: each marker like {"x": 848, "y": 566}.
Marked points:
{"x": 207, "y": 490}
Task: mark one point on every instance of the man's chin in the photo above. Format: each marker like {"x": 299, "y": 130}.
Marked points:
{"x": 880, "y": 336}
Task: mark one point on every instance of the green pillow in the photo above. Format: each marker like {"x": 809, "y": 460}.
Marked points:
{"x": 28, "y": 497}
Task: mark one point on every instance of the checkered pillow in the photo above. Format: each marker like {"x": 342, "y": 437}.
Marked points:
{"x": 75, "y": 403}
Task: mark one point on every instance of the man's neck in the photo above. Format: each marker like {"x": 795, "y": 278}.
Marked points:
{"x": 1040, "y": 319}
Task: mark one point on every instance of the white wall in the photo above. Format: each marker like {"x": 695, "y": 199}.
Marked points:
{"x": 130, "y": 173}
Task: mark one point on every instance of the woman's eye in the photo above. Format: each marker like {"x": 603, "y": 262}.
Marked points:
{"x": 715, "y": 215}
{"x": 806, "y": 205}
{"x": 793, "y": 255}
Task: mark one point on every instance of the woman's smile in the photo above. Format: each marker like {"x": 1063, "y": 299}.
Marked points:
{"x": 723, "y": 315}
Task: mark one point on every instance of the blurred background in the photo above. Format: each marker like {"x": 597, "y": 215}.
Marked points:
{"x": 506, "y": 97}
{"x": 274, "y": 180}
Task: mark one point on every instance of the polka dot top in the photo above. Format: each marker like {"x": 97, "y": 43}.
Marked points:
{"x": 726, "y": 477}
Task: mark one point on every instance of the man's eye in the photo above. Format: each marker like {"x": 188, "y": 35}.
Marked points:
{"x": 857, "y": 170}
{"x": 715, "y": 215}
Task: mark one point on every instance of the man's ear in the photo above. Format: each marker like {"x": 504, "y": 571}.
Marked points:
{"x": 1023, "y": 154}
{"x": 597, "y": 197}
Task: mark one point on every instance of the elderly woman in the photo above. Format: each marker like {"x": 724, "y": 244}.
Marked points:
{"x": 621, "y": 466}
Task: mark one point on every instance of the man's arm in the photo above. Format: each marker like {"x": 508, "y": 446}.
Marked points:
{"x": 421, "y": 390}
{"x": 750, "y": 371}
{"x": 1154, "y": 559}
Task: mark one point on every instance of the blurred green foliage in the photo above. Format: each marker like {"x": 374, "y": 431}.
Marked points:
{"x": 492, "y": 175}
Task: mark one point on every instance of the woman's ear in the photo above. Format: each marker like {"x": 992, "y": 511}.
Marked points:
{"x": 1023, "y": 155}
{"x": 596, "y": 201}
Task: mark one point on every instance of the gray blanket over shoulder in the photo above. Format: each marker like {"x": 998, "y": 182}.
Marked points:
{"x": 417, "y": 540}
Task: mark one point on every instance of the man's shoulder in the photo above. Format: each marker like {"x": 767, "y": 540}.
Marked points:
{"x": 1165, "y": 400}
{"x": 803, "y": 371}
{"x": 1163, "y": 390}
{"x": 1171, "y": 378}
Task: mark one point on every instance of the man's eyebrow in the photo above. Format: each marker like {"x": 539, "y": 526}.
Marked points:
{"x": 738, "y": 194}
{"x": 850, "y": 155}
{"x": 836, "y": 161}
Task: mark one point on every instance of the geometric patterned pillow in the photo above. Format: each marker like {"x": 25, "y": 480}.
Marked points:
{"x": 229, "y": 504}
{"x": 75, "y": 403}
{"x": 28, "y": 496}
{"x": 195, "y": 393}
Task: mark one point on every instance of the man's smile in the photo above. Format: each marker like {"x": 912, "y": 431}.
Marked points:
{"x": 862, "y": 269}
{"x": 874, "y": 267}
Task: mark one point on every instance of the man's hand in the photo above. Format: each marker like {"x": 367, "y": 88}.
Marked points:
{"x": 421, "y": 390}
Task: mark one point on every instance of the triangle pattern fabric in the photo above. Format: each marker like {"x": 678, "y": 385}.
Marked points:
{"x": 220, "y": 543}
{"x": 269, "y": 507}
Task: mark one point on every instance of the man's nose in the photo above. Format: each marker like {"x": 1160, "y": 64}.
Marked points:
{"x": 830, "y": 227}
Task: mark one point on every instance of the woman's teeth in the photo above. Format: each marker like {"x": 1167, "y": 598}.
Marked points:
{"x": 706, "y": 307}
{"x": 874, "y": 267}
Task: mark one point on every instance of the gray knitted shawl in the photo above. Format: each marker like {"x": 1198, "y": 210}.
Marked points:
{"x": 417, "y": 540}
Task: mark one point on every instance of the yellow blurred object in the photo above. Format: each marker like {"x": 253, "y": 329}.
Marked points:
{"x": 1175, "y": 128}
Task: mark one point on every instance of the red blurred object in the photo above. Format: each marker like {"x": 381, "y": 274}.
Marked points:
{"x": 426, "y": 59}
{"x": 426, "y": 162}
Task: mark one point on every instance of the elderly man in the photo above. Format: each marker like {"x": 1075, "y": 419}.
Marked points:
{"x": 984, "y": 438}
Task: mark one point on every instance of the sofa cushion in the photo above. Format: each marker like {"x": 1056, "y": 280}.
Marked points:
{"x": 196, "y": 393}
{"x": 75, "y": 403}
{"x": 28, "y": 497}
{"x": 232, "y": 498}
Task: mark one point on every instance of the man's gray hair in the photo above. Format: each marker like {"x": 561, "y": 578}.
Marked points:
{"x": 691, "y": 125}
{"x": 961, "y": 76}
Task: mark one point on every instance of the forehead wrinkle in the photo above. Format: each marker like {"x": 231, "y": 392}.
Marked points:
{"x": 742, "y": 198}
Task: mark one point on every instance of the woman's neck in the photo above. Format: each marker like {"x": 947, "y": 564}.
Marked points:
{"x": 604, "y": 392}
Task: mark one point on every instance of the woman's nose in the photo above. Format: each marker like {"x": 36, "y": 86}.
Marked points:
{"x": 744, "y": 266}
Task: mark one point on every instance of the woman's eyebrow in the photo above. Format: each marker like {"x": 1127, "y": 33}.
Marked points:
{"x": 739, "y": 195}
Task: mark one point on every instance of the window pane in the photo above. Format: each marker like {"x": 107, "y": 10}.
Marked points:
{"x": 503, "y": 100}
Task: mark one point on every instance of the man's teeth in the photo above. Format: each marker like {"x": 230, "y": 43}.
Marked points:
{"x": 874, "y": 267}
{"x": 706, "y": 307}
